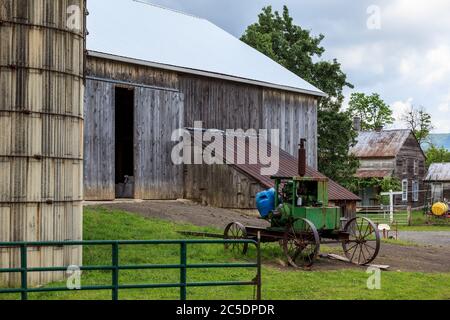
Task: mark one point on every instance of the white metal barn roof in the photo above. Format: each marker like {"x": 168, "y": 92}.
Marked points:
{"x": 135, "y": 32}
{"x": 439, "y": 172}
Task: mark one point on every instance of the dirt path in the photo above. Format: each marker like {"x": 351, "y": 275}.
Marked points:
{"x": 400, "y": 258}
{"x": 187, "y": 212}
{"x": 431, "y": 238}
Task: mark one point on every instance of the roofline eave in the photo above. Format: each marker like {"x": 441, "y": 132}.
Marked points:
{"x": 209, "y": 74}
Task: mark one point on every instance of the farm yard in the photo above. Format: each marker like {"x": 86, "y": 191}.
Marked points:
{"x": 416, "y": 271}
{"x": 179, "y": 157}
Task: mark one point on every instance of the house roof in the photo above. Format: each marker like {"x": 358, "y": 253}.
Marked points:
{"x": 439, "y": 172}
{"x": 383, "y": 144}
{"x": 288, "y": 167}
{"x": 135, "y": 32}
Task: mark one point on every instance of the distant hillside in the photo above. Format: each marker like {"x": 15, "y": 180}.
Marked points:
{"x": 440, "y": 140}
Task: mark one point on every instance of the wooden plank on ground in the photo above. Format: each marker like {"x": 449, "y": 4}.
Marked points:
{"x": 340, "y": 258}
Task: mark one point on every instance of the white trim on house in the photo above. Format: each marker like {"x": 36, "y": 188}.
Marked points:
{"x": 415, "y": 190}
{"x": 405, "y": 186}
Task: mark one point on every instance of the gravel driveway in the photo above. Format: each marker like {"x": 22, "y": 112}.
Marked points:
{"x": 433, "y": 238}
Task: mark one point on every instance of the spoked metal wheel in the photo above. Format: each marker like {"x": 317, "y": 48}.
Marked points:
{"x": 364, "y": 241}
{"x": 301, "y": 248}
{"x": 237, "y": 231}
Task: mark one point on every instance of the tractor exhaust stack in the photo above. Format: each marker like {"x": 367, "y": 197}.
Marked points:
{"x": 302, "y": 158}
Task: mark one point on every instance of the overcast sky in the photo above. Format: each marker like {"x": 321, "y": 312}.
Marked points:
{"x": 406, "y": 60}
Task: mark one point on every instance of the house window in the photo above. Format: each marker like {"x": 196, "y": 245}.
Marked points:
{"x": 437, "y": 191}
{"x": 415, "y": 187}
{"x": 405, "y": 190}
{"x": 416, "y": 167}
{"x": 405, "y": 166}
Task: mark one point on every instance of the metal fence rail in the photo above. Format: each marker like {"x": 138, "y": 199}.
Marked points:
{"x": 115, "y": 267}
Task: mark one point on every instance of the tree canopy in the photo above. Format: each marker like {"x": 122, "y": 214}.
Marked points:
{"x": 437, "y": 155}
{"x": 372, "y": 110}
{"x": 419, "y": 121}
{"x": 276, "y": 36}
{"x": 295, "y": 48}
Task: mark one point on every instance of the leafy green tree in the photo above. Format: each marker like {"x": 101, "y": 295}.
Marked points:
{"x": 437, "y": 155}
{"x": 276, "y": 36}
{"x": 419, "y": 121}
{"x": 379, "y": 184}
{"x": 335, "y": 162}
{"x": 372, "y": 110}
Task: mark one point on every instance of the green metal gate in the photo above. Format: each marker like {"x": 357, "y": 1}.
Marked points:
{"x": 115, "y": 267}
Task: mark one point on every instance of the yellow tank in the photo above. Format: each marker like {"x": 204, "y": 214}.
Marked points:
{"x": 439, "y": 209}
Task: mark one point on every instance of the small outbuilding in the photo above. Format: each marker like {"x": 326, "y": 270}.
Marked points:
{"x": 438, "y": 181}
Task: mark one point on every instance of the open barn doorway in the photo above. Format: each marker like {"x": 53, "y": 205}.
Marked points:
{"x": 124, "y": 141}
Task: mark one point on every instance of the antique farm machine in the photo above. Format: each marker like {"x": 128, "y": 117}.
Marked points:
{"x": 301, "y": 219}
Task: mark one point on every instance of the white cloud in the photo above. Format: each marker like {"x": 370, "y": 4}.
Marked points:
{"x": 399, "y": 108}
{"x": 411, "y": 13}
{"x": 366, "y": 55}
{"x": 444, "y": 107}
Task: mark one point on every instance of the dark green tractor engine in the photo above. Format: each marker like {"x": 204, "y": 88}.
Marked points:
{"x": 297, "y": 198}
{"x": 303, "y": 197}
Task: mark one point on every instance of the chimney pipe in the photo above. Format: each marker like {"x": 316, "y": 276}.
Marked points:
{"x": 357, "y": 124}
{"x": 302, "y": 158}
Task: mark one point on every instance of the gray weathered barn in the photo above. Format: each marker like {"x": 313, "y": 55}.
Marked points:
{"x": 391, "y": 153}
{"x": 135, "y": 98}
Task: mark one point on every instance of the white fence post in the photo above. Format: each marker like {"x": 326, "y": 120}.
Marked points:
{"x": 391, "y": 195}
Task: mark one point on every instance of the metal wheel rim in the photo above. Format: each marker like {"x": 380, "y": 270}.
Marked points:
{"x": 301, "y": 249}
{"x": 236, "y": 230}
{"x": 363, "y": 245}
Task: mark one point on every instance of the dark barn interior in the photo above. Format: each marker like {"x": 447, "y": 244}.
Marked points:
{"x": 124, "y": 139}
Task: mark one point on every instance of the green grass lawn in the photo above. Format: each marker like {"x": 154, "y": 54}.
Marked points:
{"x": 278, "y": 283}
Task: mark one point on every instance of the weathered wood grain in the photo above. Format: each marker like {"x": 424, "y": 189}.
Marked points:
{"x": 157, "y": 114}
{"x": 99, "y": 149}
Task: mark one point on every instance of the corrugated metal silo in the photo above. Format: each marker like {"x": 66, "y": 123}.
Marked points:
{"x": 41, "y": 127}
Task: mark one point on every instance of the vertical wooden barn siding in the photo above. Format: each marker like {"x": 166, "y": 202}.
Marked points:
{"x": 157, "y": 114}
{"x": 99, "y": 139}
{"x": 221, "y": 186}
{"x": 41, "y": 128}
{"x": 222, "y": 104}
{"x": 230, "y": 105}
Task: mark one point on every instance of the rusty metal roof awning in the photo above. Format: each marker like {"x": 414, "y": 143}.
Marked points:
{"x": 288, "y": 167}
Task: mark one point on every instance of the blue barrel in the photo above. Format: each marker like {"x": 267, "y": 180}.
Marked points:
{"x": 265, "y": 202}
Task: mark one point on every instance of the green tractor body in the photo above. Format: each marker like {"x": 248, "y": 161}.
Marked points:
{"x": 307, "y": 198}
